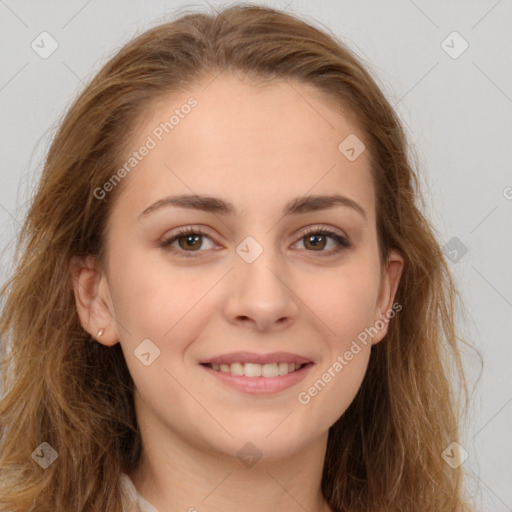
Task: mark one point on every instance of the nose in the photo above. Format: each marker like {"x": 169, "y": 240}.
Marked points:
{"x": 261, "y": 296}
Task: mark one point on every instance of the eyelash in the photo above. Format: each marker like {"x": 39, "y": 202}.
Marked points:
{"x": 190, "y": 230}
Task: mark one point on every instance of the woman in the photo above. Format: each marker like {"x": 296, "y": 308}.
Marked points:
{"x": 227, "y": 297}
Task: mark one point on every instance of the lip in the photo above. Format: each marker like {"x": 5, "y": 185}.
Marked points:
{"x": 252, "y": 357}
{"x": 259, "y": 385}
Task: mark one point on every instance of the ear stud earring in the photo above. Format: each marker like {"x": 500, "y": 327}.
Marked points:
{"x": 100, "y": 332}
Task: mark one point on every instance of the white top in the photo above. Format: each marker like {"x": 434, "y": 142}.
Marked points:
{"x": 132, "y": 501}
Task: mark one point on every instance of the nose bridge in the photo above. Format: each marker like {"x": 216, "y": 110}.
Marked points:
{"x": 260, "y": 292}
{"x": 257, "y": 265}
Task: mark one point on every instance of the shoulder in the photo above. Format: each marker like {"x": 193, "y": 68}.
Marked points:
{"x": 131, "y": 500}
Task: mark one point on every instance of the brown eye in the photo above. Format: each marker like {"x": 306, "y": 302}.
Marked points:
{"x": 189, "y": 241}
{"x": 317, "y": 239}
{"x": 316, "y": 242}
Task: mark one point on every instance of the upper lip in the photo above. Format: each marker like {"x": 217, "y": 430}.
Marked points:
{"x": 252, "y": 357}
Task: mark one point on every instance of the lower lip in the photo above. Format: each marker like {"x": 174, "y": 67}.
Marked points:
{"x": 260, "y": 385}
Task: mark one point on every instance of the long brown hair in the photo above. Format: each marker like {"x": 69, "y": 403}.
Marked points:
{"x": 384, "y": 453}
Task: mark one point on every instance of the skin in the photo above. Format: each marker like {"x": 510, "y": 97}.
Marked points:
{"x": 258, "y": 147}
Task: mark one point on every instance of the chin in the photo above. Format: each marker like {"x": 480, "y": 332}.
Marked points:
{"x": 257, "y": 442}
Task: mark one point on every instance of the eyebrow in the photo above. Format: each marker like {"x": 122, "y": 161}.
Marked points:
{"x": 218, "y": 206}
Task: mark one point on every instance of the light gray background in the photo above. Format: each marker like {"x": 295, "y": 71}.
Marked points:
{"x": 457, "y": 112}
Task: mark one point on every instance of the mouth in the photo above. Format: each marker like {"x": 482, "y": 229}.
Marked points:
{"x": 252, "y": 370}
{"x": 258, "y": 374}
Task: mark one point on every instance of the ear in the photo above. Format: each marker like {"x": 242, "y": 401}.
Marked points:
{"x": 386, "y": 309}
{"x": 92, "y": 298}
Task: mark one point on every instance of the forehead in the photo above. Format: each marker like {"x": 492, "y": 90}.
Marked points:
{"x": 258, "y": 142}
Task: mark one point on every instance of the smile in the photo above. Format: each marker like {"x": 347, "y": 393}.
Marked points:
{"x": 269, "y": 370}
{"x": 257, "y": 379}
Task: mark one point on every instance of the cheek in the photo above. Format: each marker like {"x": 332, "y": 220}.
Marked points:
{"x": 169, "y": 307}
{"x": 330, "y": 390}
{"x": 346, "y": 302}
{"x": 152, "y": 298}
{"x": 326, "y": 397}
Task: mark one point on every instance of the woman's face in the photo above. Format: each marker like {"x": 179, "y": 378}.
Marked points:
{"x": 258, "y": 176}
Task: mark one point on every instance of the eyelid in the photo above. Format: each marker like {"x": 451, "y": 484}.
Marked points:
{"x": 316, "y": 228}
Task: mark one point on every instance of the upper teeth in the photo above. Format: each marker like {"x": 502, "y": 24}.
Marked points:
{"x": 257, "y": 370}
